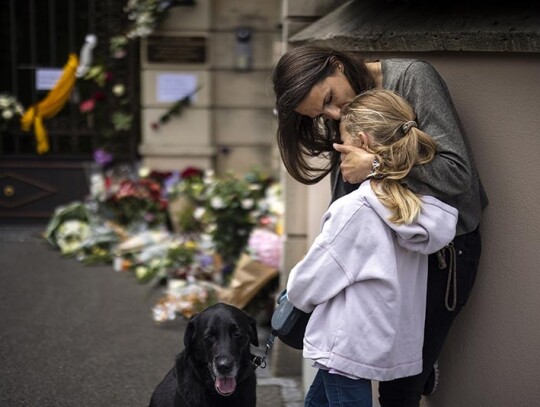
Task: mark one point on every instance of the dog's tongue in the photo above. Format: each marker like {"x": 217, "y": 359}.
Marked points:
{"x": 225, "y": 385}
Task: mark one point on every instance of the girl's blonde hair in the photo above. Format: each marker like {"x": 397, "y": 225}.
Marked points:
{"x": 398, "y": 145}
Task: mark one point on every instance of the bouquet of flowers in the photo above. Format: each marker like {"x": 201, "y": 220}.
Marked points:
{"x": 185, "y": 298}
{"x": 231, "y": 211}
{"x": 98, "y": 247}
{"x": 185, "y": 194}
{"x": 227, "y": 208}
{"x": 68, "y": 228}
{"x": 136, "y": 201}
{"x": 173, "y": 258}
{"x": 71, "y": 236}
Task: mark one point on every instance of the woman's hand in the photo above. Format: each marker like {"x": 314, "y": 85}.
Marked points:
{"x": 355, "y": 164}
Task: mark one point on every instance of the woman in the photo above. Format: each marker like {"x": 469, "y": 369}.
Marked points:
{"x": 312, "y": 84}
{"x": 365, "y": 276}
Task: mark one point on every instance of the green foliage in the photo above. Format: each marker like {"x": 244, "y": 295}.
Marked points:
{"x": 226, "y": 208}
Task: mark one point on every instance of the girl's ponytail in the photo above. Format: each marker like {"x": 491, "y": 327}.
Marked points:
{"x": 414, "y": 148}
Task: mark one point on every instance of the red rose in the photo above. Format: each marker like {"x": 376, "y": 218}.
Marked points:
{"x": 100, "y": 96}
{"x": 191, "y": 172}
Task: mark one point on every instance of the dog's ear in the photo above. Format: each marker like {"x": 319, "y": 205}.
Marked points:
{"x": 253, "y": 331}
{"x": 189, "y": 334}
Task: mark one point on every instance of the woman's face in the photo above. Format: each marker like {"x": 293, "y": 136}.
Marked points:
{"x": 327, "y": 97}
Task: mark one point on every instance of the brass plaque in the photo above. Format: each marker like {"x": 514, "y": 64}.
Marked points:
{"x": 176, "y": 50}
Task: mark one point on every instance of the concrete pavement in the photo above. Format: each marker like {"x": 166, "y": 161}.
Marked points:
{"x": 75, "y": 335}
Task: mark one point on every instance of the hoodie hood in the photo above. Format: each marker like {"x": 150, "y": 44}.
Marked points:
{"x": 432, "y": 229}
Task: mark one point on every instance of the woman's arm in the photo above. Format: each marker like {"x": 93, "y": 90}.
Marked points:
{"x": 450, "y": 173}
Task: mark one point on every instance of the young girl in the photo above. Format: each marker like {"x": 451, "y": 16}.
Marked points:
{"x": 365, "y": 276}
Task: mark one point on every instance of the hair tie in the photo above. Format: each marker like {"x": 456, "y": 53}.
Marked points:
{"x": 407, "y": 126}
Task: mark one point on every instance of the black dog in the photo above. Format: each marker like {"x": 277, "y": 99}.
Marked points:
{"x": 215, "y": 368}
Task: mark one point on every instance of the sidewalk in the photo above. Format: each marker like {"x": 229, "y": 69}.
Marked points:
{"x": 75, "y": 335}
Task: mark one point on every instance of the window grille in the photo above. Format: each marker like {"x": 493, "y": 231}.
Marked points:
{"x": 41, "y": 34}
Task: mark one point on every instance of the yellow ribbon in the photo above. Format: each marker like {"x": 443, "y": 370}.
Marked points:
{"x": 50, "y": 105}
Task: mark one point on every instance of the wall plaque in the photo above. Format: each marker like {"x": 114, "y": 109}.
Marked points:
{"x": 176, "y": 50}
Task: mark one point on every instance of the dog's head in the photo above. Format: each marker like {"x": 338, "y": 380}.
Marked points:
{"x": 219, "y": 338}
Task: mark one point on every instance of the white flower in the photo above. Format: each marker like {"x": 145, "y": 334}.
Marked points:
{"x": 143, "y": 31}
{"x": 209, "y": 177}
{"x": 118, "y": 90}
{"x": 277, "y": 207}
{"x": 217, "y": 203}
{"x": 71, "y": 235}
{"x": 144, "y": 172}
{"x": 7, "y": 114}
{"x": 198, "y": 213}
{"x": 97, "y": 186}
{"x": 144, "y": 18}
{"x": 9, "y": 107}
{"x": 247, "y": 203}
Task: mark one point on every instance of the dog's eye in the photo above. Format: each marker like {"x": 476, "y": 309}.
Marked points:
{"x": 209, "y": 337}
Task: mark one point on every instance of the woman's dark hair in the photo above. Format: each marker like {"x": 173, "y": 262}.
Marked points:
{"x": 300, "y": 137}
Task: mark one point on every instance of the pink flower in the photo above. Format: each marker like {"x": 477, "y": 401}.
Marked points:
{"x": 266, "y": 246}
{"x": 87, "y": 106}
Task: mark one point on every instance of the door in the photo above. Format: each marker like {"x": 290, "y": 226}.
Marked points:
{"x": 38, "y": 37}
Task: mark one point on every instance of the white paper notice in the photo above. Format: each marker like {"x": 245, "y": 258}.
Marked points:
{"x": 46, "y": 78}
{"x": 171, "y": 87}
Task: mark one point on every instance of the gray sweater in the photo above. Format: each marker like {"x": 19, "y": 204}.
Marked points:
{"x": 452, "y": 176}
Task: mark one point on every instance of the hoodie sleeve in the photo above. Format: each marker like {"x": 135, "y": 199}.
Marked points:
{"x": 317, "y": 278}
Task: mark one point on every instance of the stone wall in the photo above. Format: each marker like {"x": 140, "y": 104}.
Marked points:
{"x": 230, "y": 124}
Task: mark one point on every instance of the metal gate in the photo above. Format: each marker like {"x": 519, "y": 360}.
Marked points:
{"x": 39, "y": 34}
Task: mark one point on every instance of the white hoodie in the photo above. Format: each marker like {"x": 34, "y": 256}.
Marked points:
{"x": 365, "y": 279}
